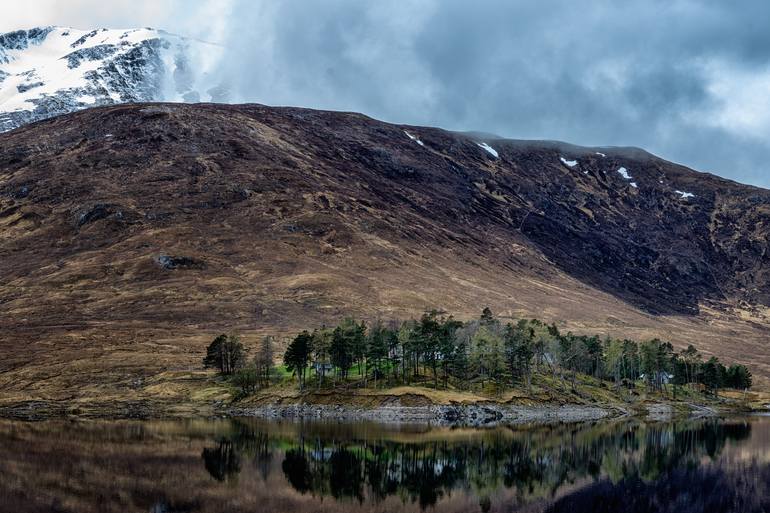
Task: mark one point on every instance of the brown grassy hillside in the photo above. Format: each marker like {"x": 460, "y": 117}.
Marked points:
{"x": 131, "y": 235}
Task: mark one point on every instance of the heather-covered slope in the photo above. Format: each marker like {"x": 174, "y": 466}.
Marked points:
{"x": 130, "y": 235}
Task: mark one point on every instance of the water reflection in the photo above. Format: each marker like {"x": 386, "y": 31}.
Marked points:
{"x": 251, "y": 465}
{"x": 536, "y": 462}
{"x": 222, "y": 461}
{"x": 338, "y": 461}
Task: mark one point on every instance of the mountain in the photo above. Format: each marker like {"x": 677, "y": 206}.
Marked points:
{"x": 54, "y": 70}
{"x": 131, "y": 235}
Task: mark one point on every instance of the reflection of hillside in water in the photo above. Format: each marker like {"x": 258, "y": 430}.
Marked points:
{"x": 347, "y": 462}
{"x": 232, "y": 466}
{"x": 686, "y": 489}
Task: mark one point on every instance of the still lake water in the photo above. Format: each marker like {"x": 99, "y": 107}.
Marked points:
{"x": 261, "y": 466}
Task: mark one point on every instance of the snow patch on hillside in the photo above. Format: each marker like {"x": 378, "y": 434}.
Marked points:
{"x": 414, "y": 138}
{"x": 624, "y": 173}
{"x": 488, "y": 149}
{"x": 570, "y": 163}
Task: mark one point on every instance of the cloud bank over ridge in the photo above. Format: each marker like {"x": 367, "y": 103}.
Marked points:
{"x": 688, "y": 80}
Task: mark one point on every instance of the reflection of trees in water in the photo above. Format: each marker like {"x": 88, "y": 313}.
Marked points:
{"x": 345, "y": 476}
{"x": 536, "y": 462}
{"x": 665, "y": 449}
{"x": 263, "y": 455}
{"x": 222, "y": 461}
{"x": 297, "y": 470}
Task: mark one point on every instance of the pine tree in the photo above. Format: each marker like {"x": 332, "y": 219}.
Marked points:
{"x": 630, "y": 360}
{"x": 487, "y": 353}
{"x": 613, "y": 350}
{"x": 297, "y": 356}
{"x": 322, "y": 342}
{"x": 341, "y": 351}
{"x": 520, "y": 350}
{"x": 225, "y": 353}
{"x": 433, "y": 334}
{"x": 355, "y": 333}
{"x": 409, "y": 340}
{"x": 595, "y": 361}
{"x": 692, "y": 360}
{"x": 738, "y": 377}
{"x": 655, "y": 362}
{"x": 574, "y": 355}
{"x": 459, "y": 365}
{"x": 377, "y": 347}
{"x": 393, "y": 343}
{"x": 712, "y": 377}
{"x": 213, "y": 356}
{"x": 263, "y": 361}
{"x": 446, "y": 344}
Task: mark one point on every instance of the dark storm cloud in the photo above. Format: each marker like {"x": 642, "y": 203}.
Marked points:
{"x": 663, "y": 75}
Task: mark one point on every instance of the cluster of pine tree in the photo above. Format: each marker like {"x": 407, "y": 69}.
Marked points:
{"x": 481, "y": 353}
{"x": 485, "y": 352}
{"x": 228, "y": 356}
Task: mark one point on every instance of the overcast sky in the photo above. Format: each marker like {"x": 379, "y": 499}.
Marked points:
{"x": 687, "y": 80}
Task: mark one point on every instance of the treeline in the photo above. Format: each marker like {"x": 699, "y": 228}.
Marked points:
{"x": 483, "y": 353}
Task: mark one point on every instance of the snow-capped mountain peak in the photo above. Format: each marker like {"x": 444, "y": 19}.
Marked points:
{"x": 53, "y": 70}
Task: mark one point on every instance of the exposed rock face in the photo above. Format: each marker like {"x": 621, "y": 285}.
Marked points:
{"x": 21, "y": 40}
{"x": 179, "y": 262}
{"x": 49, "y": 71}
{"x": 302, "y": 217}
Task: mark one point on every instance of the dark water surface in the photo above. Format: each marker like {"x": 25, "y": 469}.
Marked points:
{"x": 259, "y": 466}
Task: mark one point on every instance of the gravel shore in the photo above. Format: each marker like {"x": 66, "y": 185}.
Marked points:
{"x": 469, "y": 415}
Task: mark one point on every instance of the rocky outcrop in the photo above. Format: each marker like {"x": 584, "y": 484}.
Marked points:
{"x": 21, "y": 40}
{"x": 179, "y": 262}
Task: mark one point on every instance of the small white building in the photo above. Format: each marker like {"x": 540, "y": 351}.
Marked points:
{"x": 323, "y": 367}
{"x": 662, "y": 377}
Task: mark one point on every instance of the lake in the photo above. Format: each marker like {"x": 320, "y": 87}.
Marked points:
{"x": 234, "y": 465}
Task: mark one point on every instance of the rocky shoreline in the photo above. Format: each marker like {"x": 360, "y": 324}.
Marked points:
{"x": 467, "y": 415}
{"x": 482, "y": 414}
